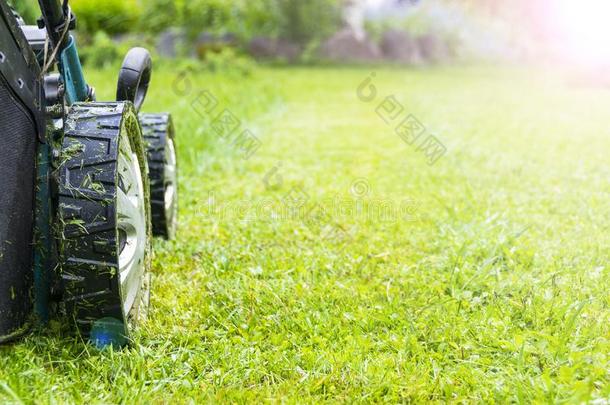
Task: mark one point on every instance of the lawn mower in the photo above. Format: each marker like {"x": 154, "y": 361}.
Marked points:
{"x": 85, "y": 185}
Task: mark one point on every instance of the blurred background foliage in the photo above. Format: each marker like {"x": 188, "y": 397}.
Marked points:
{"x": 465, "y": 26}
{"x": 297, "y": 20}
{"x": 110, "y": 16}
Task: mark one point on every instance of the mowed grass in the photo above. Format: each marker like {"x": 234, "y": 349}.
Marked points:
{"x": 482, "y": 277}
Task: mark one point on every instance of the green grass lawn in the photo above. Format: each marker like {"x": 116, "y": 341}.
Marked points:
{"x": 336, "y": 263}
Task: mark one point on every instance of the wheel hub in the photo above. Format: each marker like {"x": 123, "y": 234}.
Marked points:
{"x": 170, "y": 170}
{"x": 131, "y": 218}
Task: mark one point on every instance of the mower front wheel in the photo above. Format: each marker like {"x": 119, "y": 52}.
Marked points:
{"x": 104, "y": 221}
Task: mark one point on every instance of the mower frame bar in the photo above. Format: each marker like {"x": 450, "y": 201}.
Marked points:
{"x": 58, "y": 19}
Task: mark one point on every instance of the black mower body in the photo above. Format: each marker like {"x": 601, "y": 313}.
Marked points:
{"x": 21, "y": 128}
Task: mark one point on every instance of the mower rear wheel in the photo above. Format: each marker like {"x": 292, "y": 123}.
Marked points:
{"x": 104, "y": 221}
{"x": 159, "y": 136}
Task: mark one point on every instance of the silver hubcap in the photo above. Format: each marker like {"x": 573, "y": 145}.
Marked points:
{"x": 171, "y": 184}
{"x": 131, "y": 217}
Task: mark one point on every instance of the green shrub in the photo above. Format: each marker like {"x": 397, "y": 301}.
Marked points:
{"x": 306, "y": 21}
{"x": 158, "y": 15}
{"x": 303, "y": 22}
{"x": 28, "y": 9}
{"x": 110, "y": 16}
{"x": 300, "y": 21}
{"x": 259, "y": 17}
{"x": 101, "y": 52}
{"x": 228, "y": 60}
{"x": 207, "y": 15}
{"x": 296, "y": 20}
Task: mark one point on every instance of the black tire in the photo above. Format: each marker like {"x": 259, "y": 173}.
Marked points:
{"x": 103, "y": 142}
{"x": 159, "y": 136}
